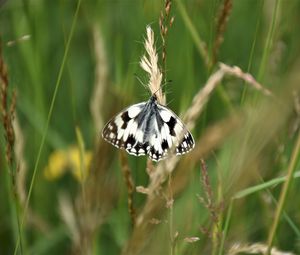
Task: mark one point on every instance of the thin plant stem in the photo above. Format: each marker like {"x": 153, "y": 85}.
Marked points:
{"x": 57, "y": 85}
{"x": 269, "y": 42}
{"x": 226, "y": 227}
{"x": 212, "y": 32}
{"x": 200, "y": 45}
{"x": 7, "y": 115}
{"x": 15, "y": 209}
{"x": 130, "y": 187}
{"x": 284, "y": 193}
{"x": 172, "y": 241}
{"x": 252, "y": 49}
{"x": 83, "y": 170}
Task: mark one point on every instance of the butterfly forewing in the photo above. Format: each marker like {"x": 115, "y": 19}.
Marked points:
{"x": 120, "y": 131}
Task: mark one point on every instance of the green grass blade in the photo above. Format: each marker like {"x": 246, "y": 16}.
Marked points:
{"x": 57, "y": 85}
{"x": 284, "y": 192}
{"x": 263, "y": 186}
{"x": 269, "y": 41}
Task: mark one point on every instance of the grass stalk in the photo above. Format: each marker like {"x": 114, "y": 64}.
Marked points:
{"x": 260, "y": 7}
{"x": 171, "y": 229}
{"x": 200, "y": 44}
{"x": 15, "y": 210}
{"x": 226, "y": 227}
{"x": 7, "y": 110}
{"x": 57, "y": 85}
{"x": 269, "y": 42}
{"x": 130, "y": 187}
{"x": 83, "y": 170}
{"x": 284, "y": 193}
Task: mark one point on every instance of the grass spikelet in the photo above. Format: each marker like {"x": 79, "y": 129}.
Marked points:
{"x": 149, "y": 63}
{"x": 215, "y": 209}
{"x": 7, "y": 110}
{"x": 165, "y": 22}
{"x": 220, "y": 28}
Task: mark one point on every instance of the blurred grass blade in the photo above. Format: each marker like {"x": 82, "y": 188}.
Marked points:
{"x": 269, "y": 42}
{"x": 226, "y": 227}
{"x": 83, "y": 170}
{"x": 284, "y": 192}
{"x": 262, "y": 186}
{"x": 49, "y": 241}
{"x": 57, "y": 85}
{"x": 200, "y": 44}
{"x": 37, "y": 120}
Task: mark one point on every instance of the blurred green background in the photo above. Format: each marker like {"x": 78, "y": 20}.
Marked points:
{"x": 94, "y": 76}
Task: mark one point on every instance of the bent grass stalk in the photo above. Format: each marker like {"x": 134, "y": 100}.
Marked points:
{"x": 57, "y": 85}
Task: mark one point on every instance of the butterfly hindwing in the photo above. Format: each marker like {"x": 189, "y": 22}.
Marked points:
{"x": 176, "y": 133}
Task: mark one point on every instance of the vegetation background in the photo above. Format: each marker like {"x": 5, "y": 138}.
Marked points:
{"x": 73, "y": 65}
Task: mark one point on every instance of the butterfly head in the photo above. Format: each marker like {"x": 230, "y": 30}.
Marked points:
{"x": 153, "y": 97}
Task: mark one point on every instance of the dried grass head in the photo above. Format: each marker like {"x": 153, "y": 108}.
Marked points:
{"x": 149, "y": 62}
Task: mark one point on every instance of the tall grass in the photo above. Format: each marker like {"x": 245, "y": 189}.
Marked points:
{"x": 233, "y": 67}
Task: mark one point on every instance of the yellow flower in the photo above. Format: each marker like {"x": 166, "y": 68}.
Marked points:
{"x": 70, "y": 159}
{"x": 78, "y": 169}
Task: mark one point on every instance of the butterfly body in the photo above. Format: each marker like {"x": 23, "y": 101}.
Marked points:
{"x": 148, "y": 128}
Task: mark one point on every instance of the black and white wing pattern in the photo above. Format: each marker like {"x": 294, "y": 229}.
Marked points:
{"x": 148, "y": 128}
{"x": 174, "y": 133}
{"x": 121, "y": 131}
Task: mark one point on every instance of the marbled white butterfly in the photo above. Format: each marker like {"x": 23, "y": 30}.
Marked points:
{"x": 148, "y": 128}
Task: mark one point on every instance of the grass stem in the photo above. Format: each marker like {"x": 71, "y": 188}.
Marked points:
{"x": 226, "y": 227}
{"x": 200, "y": 45}
{"x": 57, "y": 85}
{"x": 284, "y": 193}
{"x": 269, "y": 42}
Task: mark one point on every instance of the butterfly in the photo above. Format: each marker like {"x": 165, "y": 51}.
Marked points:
{"x": 148, "y": 128}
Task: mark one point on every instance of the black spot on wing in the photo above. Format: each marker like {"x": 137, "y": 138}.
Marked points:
{"x": 125, "y": 117}
{"x": 110, "y": 133}
{"x": 146, "y": 146}
{"x": 171, "y": 124}
{"x": 164, "y": 145}
{"x": 130, "y": 141}
{"x": 137, "y": 149}
{"x": 190, "y": 139}
{"x": 186, "y": 144}
{"x": 154, "y": 154}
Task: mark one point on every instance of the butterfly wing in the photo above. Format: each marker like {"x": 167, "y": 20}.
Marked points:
{"x": 148, "y": 128}
{"x": 122, "y": 130}
{"x": 169, "y": 133}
